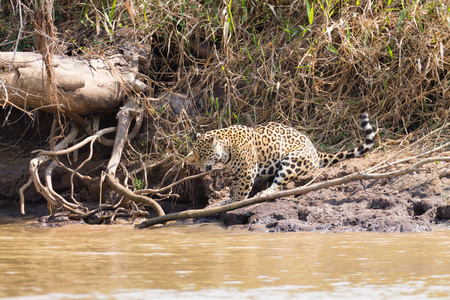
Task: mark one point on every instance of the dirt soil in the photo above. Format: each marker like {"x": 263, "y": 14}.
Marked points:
{"x": 410, "y": 203}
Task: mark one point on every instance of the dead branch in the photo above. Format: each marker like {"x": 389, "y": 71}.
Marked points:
{"x": 104, "y": 207}
{"x": 144, "y": 168}
{"x": 77, "y": 146}
{"x": 155, "y": 191}
{"x": 158, "y": 163}
{"x": 386, "y": 163}
{"x": 298, "y": 191}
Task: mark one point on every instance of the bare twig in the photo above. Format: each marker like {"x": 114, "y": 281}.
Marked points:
{"x": 77, "y": 146}
{"x": 152, "y": 191}
{"x": 385, "y": 163}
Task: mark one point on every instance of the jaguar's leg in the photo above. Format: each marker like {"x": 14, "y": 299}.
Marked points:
{"x": 242, "y": 184}
{"x": 293, "y": 165}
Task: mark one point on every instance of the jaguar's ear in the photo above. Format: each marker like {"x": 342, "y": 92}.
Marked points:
{"x": 196, "y": 136}
{"x": 214, "y": 141}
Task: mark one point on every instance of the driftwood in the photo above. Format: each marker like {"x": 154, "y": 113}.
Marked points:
{"x": 84, "y": 86}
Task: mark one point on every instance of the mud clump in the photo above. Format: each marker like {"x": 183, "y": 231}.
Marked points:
{"x": 291, "y": 214}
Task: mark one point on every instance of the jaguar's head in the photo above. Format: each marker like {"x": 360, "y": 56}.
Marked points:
{"x": 207, "y": 150}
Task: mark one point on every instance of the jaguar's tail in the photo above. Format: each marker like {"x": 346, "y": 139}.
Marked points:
{"x": 326, "y": 158}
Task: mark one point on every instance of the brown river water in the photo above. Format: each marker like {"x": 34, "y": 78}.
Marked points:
{"x": 209, "y": 262}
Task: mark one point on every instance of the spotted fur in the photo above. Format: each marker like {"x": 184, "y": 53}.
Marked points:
{"x": 270, "y": 149}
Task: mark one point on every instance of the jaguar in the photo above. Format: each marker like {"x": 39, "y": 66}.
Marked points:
{"x": 268, "y": 150}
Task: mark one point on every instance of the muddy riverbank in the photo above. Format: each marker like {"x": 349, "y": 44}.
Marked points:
{"x": 410, "y": 203}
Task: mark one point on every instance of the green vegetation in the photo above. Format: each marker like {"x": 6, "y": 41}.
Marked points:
{"x": 138, "y": 184}
{"x": 312, "y": 64}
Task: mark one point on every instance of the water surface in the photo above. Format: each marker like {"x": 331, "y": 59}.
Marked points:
{"x": 206, "y": 261}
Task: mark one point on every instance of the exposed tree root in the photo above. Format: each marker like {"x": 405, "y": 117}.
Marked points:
{"x": 77, "y": 211}
{"x": 53, "y": 199}
{"x": 113, "y": 183}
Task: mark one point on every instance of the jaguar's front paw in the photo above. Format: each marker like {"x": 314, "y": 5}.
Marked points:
{"x": 265, "y": 192}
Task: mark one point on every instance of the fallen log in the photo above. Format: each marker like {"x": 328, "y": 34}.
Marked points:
{"x": 84, "y": 86}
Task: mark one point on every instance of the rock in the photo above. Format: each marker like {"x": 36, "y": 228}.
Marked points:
{"x": 443, "y": 212}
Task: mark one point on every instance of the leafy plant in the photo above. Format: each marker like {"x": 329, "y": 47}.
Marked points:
{"x": 310, "y": 11}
